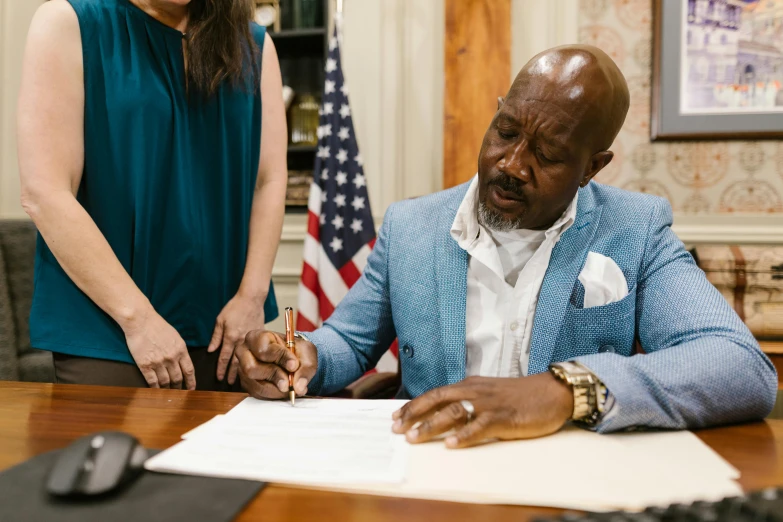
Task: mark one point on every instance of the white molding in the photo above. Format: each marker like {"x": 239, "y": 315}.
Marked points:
{"x": 733, "y": 235}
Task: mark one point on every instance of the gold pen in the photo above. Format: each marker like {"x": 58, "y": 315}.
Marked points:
{"x": 291, "y": 345}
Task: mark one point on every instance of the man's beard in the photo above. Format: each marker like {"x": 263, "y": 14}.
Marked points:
{"x": 494, "y": 220}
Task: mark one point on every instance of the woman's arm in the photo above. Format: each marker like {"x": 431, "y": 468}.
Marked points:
{"x": 245, "y": 312}
{"x": 51, "y": 161}
{"x": 266, "y": 220}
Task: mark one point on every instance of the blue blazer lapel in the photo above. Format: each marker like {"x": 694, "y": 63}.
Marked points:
{"x": 451, "y": 267}
{"x": 568, "y": 258}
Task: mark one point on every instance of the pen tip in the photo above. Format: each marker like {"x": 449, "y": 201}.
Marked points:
{"x": 292, "y": 395}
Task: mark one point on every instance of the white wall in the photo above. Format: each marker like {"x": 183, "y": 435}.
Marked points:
{"x": 15, "y": 16}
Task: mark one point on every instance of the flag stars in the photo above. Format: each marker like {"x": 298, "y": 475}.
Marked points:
{"x": 345, "y": 111}
{"x": 329, "y": 87}
{"x": 323, "y": 152}
{"x": 357, "y": 203}
{"x": 344, "y": 133}
{"x": 356, "y": 226}
{"x": 342, "y": 156}
{"x": 327, "y": 109}
{"x": 325, "y": 177}
{"x": 336, "y": 244}
{"x": 322, "y": 219}
{"x": 358, "y": 159}
{"x": 341, "y": 178}
{"x": 331, "y": 63}
{"x": 359, "y": 181}
{"x": 332, "y": 43}
{"x": 324, "y": 131}
{"x": 344, "y": 90}
{"x": 323, "y": 198}
{"x": 339, "y": 200}
{"x": 338, "y": 222}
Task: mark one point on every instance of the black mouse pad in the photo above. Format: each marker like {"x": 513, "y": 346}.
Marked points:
{"x": 152, "y": 497}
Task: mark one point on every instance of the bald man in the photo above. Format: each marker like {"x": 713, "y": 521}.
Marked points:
{"x": 532, "y": 295}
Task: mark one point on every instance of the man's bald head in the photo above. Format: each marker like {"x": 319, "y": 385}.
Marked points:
{"x": 584, "y": 79}
{"x": 550, "y": 136}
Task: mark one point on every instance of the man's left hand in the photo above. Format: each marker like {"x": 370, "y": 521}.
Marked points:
{"x": 504, "y": 409}
{"x": 240, "y": 315}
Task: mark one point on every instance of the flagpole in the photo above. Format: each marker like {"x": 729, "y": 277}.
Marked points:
{"x": 338, "y": 20}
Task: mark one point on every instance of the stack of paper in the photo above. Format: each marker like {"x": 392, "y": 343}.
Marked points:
{"x": 347, "y": 445}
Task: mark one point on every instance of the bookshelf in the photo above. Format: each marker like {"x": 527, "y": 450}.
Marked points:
{"x": 301, "y": 38}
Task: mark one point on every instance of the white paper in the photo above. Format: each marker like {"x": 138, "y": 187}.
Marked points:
{"x": 314, "y": 441}
{"x": 211, "y": 423}
{"x": 347, "y": 445}
{"x": 603, "y": 281}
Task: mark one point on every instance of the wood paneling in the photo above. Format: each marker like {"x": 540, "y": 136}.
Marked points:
{"x": 478, "y": 70}
{"x": 35, "y": 418}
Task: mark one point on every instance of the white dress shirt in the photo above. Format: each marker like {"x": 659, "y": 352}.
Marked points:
{"x": 505, "y": 274}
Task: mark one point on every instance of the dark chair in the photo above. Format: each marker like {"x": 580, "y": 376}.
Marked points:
{"x": 18, "y": 361}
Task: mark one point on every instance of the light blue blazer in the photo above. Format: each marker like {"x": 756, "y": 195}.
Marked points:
{"x": 701, "y": 364}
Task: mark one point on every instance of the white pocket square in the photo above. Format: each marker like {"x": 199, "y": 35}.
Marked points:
{"x": 603, "y": 280}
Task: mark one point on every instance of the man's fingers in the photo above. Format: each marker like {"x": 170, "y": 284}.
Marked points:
{"x": 188, "y": 372}
{"x": 260, "y": 390}
{"x": 232, "y": 371}
{"x": 308, "y": 366}
{"x": 476, "y": 431}
{"x": 270, "y": 348}
{"x": 254, "y": 369}
{"x": 217, "y": 337}
{"x": 452, "y": 416}
{"x": 428, "y": 403}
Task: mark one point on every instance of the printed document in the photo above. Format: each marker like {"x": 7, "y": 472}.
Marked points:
{"x": 348, "y": 445}
{"x": 315, "y": 441}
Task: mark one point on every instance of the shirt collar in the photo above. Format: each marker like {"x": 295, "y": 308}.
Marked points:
{"x": 466, "y": 229}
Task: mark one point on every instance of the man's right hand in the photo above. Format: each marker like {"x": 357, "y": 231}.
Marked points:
{"x": 160, "y": 353}
{"x": 265, "y": 362}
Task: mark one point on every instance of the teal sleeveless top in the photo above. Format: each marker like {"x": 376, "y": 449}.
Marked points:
{"x": 168, "y": 180}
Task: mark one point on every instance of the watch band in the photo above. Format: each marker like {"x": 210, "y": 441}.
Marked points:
{"x": 589, "y": 392}
{"x": 300, "y": 335}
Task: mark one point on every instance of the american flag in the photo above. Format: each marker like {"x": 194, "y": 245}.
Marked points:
{"x": 340, "y": 228}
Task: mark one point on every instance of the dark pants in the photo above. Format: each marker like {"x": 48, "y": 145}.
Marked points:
{"x": 69, "y": 369}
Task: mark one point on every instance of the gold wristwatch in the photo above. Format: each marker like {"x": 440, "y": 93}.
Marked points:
{"x": 589, "y": 391}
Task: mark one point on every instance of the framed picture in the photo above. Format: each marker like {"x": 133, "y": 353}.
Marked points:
{"x": 717, "y": 69}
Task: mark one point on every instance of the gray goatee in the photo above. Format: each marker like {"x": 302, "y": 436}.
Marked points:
{"x": 495, "y": 220}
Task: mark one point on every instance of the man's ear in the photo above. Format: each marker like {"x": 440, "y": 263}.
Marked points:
{"x": 500, "y": 101}
{"x": 597, "y": 162}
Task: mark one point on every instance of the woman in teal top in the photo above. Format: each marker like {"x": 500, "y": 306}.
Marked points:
{"x": 156, "y": 185}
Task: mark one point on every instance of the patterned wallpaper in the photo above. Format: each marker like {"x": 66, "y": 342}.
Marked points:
{"x": 717, "y": 177}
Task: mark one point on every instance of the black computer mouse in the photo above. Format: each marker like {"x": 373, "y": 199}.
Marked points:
{"x": 96, "y": 464}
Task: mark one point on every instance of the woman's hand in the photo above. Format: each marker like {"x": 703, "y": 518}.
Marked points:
{"x": 240, "y": 315}
{"x": 160, "y": 353}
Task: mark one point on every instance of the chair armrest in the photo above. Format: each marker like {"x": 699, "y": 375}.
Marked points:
{"x": 373, "y": 386}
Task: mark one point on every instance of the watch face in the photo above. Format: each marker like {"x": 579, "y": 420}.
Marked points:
{"x": 266, "y": 15}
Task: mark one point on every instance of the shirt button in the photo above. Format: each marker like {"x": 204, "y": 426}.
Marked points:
{"x": 514, "y": 326}
{"x": 607, "y": 349}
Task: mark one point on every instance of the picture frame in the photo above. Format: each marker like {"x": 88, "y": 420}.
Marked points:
{"x": 717, "y": 70}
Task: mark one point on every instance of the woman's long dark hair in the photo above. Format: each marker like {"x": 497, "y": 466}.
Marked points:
{"x": 220, "y": 45}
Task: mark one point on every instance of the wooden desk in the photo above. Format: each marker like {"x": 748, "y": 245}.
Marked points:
{"x": 35, "y": 418}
